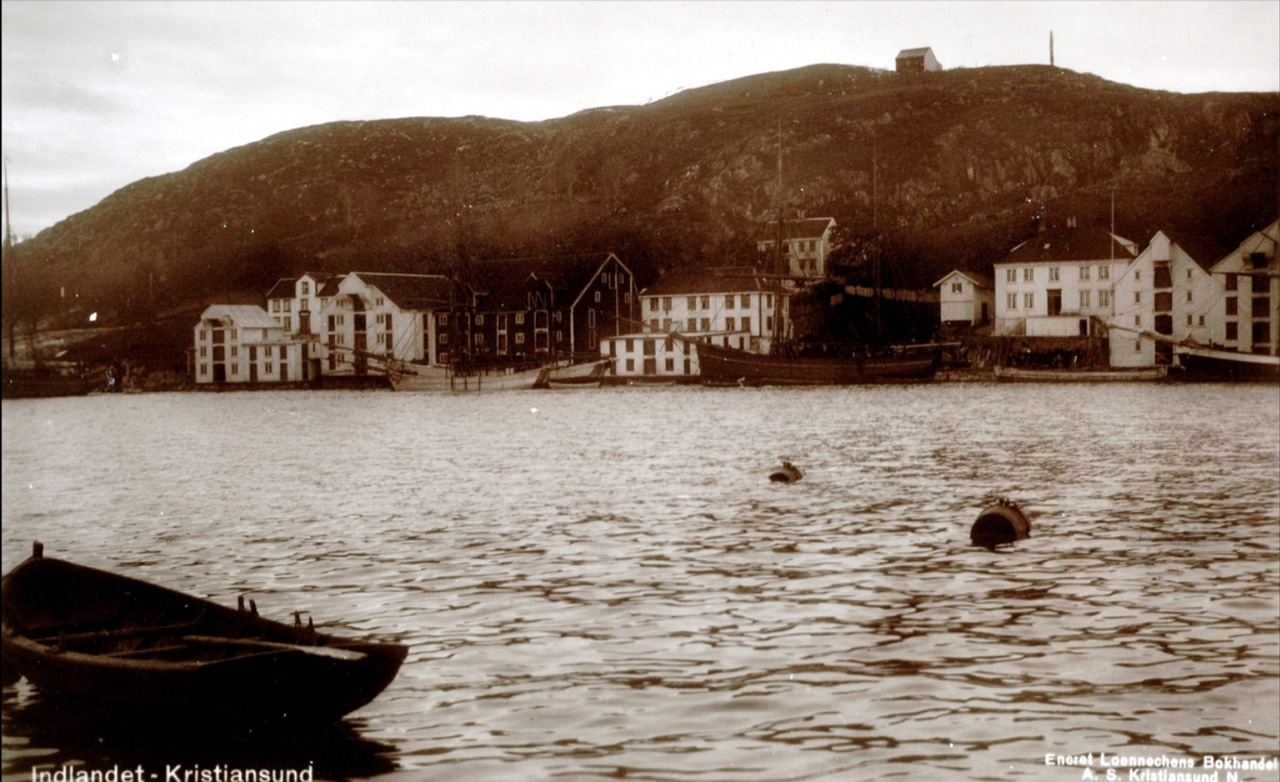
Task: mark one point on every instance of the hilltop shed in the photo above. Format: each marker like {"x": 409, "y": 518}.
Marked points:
{"x": 917, "y": 61}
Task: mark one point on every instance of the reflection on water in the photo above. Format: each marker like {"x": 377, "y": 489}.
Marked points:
{"x": 606, "y": 584}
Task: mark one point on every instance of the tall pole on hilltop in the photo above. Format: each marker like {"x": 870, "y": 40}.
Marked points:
{"x": 1051, "y": 48}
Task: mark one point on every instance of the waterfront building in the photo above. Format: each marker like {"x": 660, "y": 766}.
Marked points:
{"x": 1060, "y": 282}
{"x": 548, "y": 307}
{"x": 729, "y": 305}
{"x": 1247, "y": 315}
{"x": 243, "y": 344}
{"x": 372, "y": 321}
{"x": 1166, "y": 291}
{"x": 966, "y": 298}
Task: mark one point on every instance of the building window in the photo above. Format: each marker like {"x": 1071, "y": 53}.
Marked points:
{"x": 1104, "y": 298}
{"x": 1053, "y": 274}
{"x": 480, "y": 319}
{"x": 520, "y": 338}
{"x": 235, "y": 350}
{"x": 597, "y": 297}
{"x": 1258, "y": 260}
{"x": 1188, "y": 296}
{"x": 1261, "y": 306}
{"x": 1231, "y": 283}
{"x": 1190, "y": 321}
{"x": 706, "y": 324}
{"x": 1104, "y": 272}
{"x": 1011, "y": 301}
{"x": 306, "y": 288}
{"x": 235, "y": 369}
{"x": 631, "y": 365}
{"x": 1084, "y": 298}
{"x": 957, "y": 287}
{"x": 1137, "y": 321}
{"x": 728, "y": 324}
{"x": 1029, "y": 301}
{"x": 746, "y": 301}
{"x": 1201, "y": 320}
{"x": 1233, "y": 306}
{"x": 275, "y": 305}
{"x": 1137, "y": 297}
{"x": 442, "y": 319}
{"x": 1010, "y": 275}
{"x": 204, "y": 351}
{"x": 691, "y": 302}
{"x": 728, "y": 301}
{"x": 1084, "y": 272}
{"x": 693, "y": 324}
{"x": 1233, "y": 331}
{"x": 666, "y": 303}
{"x": 671, "y": 365}
{"x": 233, "y": 335}
{"x": 706, "y": 302}
{"x": 1261, "y": 333}
{"x": 204, "y": 369}
{"x": 653, "y": 304}
{"x": 479, "y": 340}
{"x": 746, "y": 324}
{"x": 288, "y": 305}
{"x": 443, "y": 339}
{"x": 1137, "y": 346}
{"x": 269, "y": 368}
{"x": 1028, "y": 275}
{"x": 519, "y": 318}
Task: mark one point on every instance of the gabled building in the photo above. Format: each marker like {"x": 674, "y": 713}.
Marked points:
{"x": 732, "y": 306}
{"x": 917, "y": 61}
{"x": 1060, "y": 282}
{"x": 806, "y": 243}
{"x": 1166, "y": 291}
{"x": 242, "y": 344}
{"x": 1247, "y": 317}
{"x": 966, "y": 298}
{"x": 370, "y": 321}
{"x": 547, "y": 307}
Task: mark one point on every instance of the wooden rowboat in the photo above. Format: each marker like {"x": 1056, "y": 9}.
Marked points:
{"x": 76, "y": 631}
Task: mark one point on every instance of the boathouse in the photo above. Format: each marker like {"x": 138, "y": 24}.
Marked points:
{"x": 917, "y": 61}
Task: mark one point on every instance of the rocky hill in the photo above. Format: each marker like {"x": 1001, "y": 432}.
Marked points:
{"x": 959, "y": 166}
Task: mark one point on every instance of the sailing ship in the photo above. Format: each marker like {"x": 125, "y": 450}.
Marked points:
{"x": 1211, "y": 364}
{"x": 790, "y": 364}
{"x": 1119, "y": 375}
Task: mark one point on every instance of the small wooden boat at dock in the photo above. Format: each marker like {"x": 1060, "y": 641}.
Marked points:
{"x": 80, "y": 632}
{"x": 1028, "y": 375}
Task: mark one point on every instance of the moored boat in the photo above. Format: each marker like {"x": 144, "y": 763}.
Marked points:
{"x": 42, "y": 382}
{"x": 76, "y": 631}
{"x": 422, "y": 378}
{"x": 1030, "y": 375}
{"x": 1208, "y": 364}
{"x": 588, "y": 374}
{"x": 728, "y": 366}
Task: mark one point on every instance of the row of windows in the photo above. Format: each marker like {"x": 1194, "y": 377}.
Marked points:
{"x": 1085, "y": 273}
{"x": 704, "y": 324}
{"x": 1261, "y": 306}
{"x": 704, "y": 302}
{"x": 1261, "y": 332}
{"x": 1029, "y": 300}
{"x": 234, "y": 369}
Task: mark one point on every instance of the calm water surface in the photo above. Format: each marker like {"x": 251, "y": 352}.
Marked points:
{"x": 604, "y": 584}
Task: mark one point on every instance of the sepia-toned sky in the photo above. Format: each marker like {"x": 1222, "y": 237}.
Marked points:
{"x": 99, "y": 94}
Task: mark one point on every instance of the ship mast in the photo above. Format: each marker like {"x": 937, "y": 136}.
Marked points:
{"x": 780, "y": 255}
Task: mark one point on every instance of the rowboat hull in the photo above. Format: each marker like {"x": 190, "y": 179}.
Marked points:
{"x": 1022, "y": 375}
{"x": 18, "y": 384}
{"x": 146, "y": 650}
{"x": 727, "y": 366}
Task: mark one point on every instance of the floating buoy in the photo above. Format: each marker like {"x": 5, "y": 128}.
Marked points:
{"x": 998, "y": 523}
{"x": 787, "y": 473}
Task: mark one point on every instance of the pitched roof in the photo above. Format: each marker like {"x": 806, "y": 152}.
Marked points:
{"x": 1204, "y": 250}
{"x": 908, "y": 53}
{"x": 980, "y": 280}
{"x": 719, "y": 279}
{"x": 505, "y": 281}
{"x": 411, "y": 291}
{"x": 804, "y": 228}
{"x": 249, "y": 316}
{"x": 286, "y": 286}
{"x": 1072, "y": 244}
